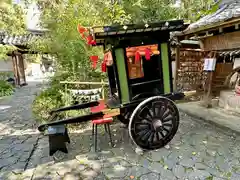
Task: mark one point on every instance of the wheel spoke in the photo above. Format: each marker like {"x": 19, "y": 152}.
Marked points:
{"x": 141, "y": 126}
{"x": 157, "y": 109}
{"x": 143, "y": 116}
{"x": 144, "y": 119}
{"x": 149, "y": 113}
{"x": 167, "y": 130}
{"x": 162, "y": 134}
{"x": 146, "y": 136}
{"x": 142, "y": 133}
{"x": 166, "y": 113}
{"x": 151, "y": 137}
{"x": 162, "y": 110}
{"x": 168, "y": 125}
{"x": 168, "y": 118}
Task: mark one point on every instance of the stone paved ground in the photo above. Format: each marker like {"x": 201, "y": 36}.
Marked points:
{"x": 198, "y": 151}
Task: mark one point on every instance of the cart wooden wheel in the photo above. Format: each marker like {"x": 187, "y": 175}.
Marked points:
{"x": 154, "y": 123}
{"x": 126, "y": 113}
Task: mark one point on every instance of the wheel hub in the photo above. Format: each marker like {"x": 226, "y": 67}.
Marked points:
{"x": 157, "y": 125}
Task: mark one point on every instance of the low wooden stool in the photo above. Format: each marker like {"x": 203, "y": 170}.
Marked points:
{"x": 57, "y": 136}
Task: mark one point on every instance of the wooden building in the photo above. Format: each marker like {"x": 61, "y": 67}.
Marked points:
{"x": 219, "y": 36}
{"x": 187, "y": 64}
{"x": 21, "y": 43}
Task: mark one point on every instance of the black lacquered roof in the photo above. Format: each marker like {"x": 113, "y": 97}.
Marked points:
{"x": 102, "y": 32}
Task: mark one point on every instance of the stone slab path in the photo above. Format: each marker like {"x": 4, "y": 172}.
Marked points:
{"x": 219, "y": 116}
{"x": 198, "y": 151}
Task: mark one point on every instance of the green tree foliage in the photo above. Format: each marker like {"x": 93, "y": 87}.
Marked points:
{"x": 150, "y": 10}
{"x": 195, "y": 9}
{"x": 12, "y": 17}
{"x": 12, "y": 22}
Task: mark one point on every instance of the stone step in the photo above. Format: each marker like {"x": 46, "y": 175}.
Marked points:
{"x": 229, "y": 100}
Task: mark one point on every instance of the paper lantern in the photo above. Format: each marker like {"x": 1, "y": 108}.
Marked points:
{"x": 94, "y": 60}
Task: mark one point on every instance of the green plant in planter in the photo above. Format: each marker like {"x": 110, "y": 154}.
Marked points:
{"x": 5, "y": 75}
{"x": 46, "y": 101}
{"x": 6, "y": 89}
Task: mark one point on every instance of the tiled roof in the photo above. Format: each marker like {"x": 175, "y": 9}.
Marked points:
{"x": 224, "y": 13}
{"x": 19, "y": 40}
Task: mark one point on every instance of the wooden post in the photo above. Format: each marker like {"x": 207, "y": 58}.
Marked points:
{"x": 21, "y": 68}
{"x": 15, "y": 70}
{"x": 208, "y": 93}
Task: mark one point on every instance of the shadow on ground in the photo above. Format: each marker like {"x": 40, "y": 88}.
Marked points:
{"x": 198, "y": 151}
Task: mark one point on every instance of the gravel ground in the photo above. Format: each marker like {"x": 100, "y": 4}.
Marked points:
{"x": 198, "y": 151}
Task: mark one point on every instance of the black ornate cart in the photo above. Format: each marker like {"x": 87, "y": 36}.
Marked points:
{"x": 140, "y": 81}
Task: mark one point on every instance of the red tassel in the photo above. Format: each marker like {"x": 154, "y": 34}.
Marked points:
{"x": 89, "y": 39}
{"x": 94, "y": 60}
{"x": 137, "y": 56}
{"x": 147, "y": 54}
{"x": 104, "y": 67}
{"x": 81, "y": 29}
{"x": 93, "y": 42}
{"x": 83, "y": 35}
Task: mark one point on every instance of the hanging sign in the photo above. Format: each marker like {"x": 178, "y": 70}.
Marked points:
{"x": 209, "y": 64}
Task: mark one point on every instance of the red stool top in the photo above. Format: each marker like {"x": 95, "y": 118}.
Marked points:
{"x": 103, "y": 120}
